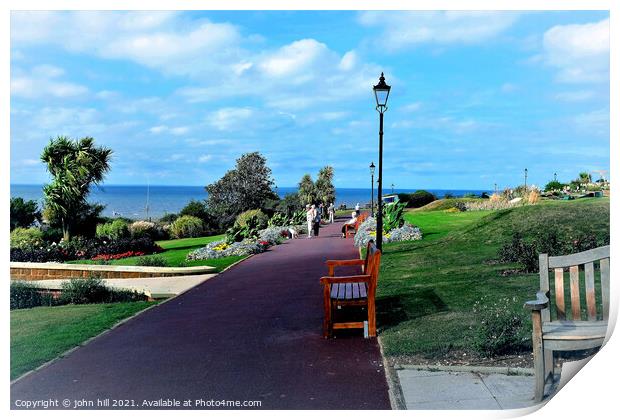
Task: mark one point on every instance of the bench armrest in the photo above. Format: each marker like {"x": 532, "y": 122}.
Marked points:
{"x": 344, "y": 262}
{"x": 362, "y": 278}
{"x": 541, "y": 302}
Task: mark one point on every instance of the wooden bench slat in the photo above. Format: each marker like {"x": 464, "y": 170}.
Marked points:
{"x": 579, "y": 258}
{"x": 575, "y": 302}
{"x": 559, "y": 293}
{"x": 334, "y": 291}
{"x": 605, "y": 287}
{"x": 363, "y": 291}
{"x": 348, "y": 294}
{"x": 341, "y": 291}
{"x": 590, "y": 296}
{"x": 356, "y": 291}
{"x": 576, "y": 331}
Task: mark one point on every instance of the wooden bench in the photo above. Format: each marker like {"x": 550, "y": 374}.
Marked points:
{"x": 357, "y": 290}
{"x": 561, "y": 332}
{"x": 354, "y": 227}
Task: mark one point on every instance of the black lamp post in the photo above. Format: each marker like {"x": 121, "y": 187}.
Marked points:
{"x": 392, "y": 188}
{"x": 525, "y": 179}
{"x": 555, "y": 176}
{"x": 382, "y": 91}
{"x": 372, "y": 189}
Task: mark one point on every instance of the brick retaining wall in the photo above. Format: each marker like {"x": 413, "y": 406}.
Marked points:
{"x": 53, "y": 271}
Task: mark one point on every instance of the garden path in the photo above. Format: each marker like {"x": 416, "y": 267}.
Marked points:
{"x": 251, "y": 333}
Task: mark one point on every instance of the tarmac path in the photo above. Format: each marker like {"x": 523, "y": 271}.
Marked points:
{"x": 252, "y": 333}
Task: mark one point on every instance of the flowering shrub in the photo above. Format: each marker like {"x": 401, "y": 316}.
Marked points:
{"x": 489, "y": 205}
{"x": 499, "y": 327}
{"x": 115, "y": 229}
{"x": 187, "y": 227}
{"x": 26, "y": 237}
{"x": 108, "y": 257}
{"x": 80, "y": 248}
{"x": 143, "y": 228}
{"x": 405, "y": 233}
{"x": 368, "y": 231}
{"x": 274, "y": 234}
{"x": 220, "y": 249}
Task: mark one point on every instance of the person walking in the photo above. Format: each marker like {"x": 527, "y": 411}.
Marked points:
{"x": 331, "y": 211}
{"x": 309, "y": 219}
{"x": 357, "y": 209}
{"x": 317, "y": 220}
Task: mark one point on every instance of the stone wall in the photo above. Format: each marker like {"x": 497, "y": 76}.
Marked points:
{"x": 54, "y": 271}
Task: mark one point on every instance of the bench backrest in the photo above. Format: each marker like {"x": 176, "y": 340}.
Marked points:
{"x": 573, "y": 262}
{"x": 373, "y": 263}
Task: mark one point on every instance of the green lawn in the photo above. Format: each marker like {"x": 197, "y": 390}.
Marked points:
{"x": 43, "y": 333}
{"x": 175, "y": 252}
{"x": 427, "y": 288}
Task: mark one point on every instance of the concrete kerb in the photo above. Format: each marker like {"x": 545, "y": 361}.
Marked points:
{"x": 395, "y": 392}
{"x": 503, "y": 370}
{"x": 118, "y": 324}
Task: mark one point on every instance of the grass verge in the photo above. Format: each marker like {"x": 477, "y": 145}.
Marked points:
{"x": 175, "y": 252}
{"x": 40, "y": 334}
{"x": 427, "y": 289}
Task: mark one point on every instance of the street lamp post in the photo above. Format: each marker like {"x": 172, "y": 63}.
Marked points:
{"x": 392, "y": 188}
{"x": 555, "y": 176}
{"x": 526, "y": 179}
{"x": 382, "y": 91}
{"x": 372, "y": 189}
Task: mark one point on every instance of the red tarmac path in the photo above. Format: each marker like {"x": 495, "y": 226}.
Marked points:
{"x": 251, "y": 333}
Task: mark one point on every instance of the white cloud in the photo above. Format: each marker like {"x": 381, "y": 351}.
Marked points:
{"x": 293, "y": 58}
{"x": 574, "y": 96}
{"x": 407, "y": 28}
{"x": 155, "y": 39}
{"x": 158, "y": 129}
{"x": 229, "y": 118}
{"x": 43, "y": 81}
{"x": 412, "y": 107}
{"x": 205, "y": 158}
{"x": 579, "y": 52}
{"x": 179, "y": 131}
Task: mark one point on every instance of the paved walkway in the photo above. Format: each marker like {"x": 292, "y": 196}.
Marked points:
{"x": 251, "y": 333}
{"x": 444, "y": 390}
{"x": 156, "y": 287}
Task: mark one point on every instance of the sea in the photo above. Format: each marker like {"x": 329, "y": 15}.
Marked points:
{"x": 154, "y": 201}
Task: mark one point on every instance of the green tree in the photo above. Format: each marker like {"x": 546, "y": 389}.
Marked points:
{"x": 325, "y": 190}
{"x": 248, "y": 186}
{"x": 307, "y": 190}
{"x": 584, "y": 178}
{"x": 24, "y": 213}
{"x": 289, "y": 204}
{"x": 75, "y": 166}
{"x": 554, "y": 186}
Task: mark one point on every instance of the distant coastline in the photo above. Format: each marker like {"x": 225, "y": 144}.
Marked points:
{"x": 130, "y": 200}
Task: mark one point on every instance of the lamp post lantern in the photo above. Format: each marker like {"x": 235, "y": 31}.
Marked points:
{"x": 372, "y": 189}
{"x": 382, "y": 91}
{"x": 555, "y": 176}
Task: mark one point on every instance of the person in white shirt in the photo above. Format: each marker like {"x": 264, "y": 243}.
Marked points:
{"x": 349, "y": 222}
{"x": 331, "y": 210}
{"x": 310, "y": 215}
{"x": 357, "y": 209}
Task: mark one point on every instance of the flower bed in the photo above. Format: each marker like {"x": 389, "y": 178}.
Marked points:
{"x": 108, "y": 257}
{"x": 368, "y": 231}
{"x": 273, "y": 235}
{"x": 83, "y": 249}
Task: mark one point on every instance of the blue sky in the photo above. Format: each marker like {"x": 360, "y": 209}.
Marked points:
{"x": 476, "y": 96}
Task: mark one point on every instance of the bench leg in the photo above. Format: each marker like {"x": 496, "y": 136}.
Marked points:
{"x": 372, "y": 318}
{"x": 327, "y": 318}
{"x": 549, "y": 364}
{"x": 539, "y": 357}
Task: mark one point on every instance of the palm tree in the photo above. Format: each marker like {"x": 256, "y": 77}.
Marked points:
{"x": 585, "y": 178}
{"x": 75, "y": 165}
